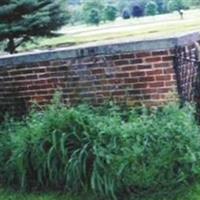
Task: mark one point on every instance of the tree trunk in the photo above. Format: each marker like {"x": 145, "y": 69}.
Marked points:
{"x": 11, "y": 46}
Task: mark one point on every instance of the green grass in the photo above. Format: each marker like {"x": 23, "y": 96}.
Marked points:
{"x": 11, "y": 195}
{"x": 194, "y": 194}
{"x": 138, "y": 29}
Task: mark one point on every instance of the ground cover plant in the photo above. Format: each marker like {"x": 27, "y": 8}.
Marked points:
{"x": 113, "y": 153}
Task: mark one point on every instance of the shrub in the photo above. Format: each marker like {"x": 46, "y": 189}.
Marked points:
{"x": 93, "y": 17}
{"x": 126, "y": 14}
{"x": 177, "y": 5}
{"x": 162, "y": 6}
{"x": 76, "y": 14}
{"x": 110, "y": 152}
{"x": 151, "y": 8}
{"x": 110, "y": 13}
{"x": 93, "y": 11}
{"x": 137, "y": 11}
{"x": 160, "y": 151}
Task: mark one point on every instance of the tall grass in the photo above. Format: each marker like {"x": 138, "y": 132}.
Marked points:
{"x": 104, "y": 150}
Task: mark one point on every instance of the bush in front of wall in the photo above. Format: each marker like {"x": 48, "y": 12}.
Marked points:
{"x": 113, "y": 153}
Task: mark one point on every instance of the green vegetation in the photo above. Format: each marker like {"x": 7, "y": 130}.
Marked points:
{"x": 110, "y": 13}
{"x": 193, "y": 194}
{"x": 151, "y": 8}
{"x": 8, "y": 194}
{"x": 137, "y": 8}
{"x": 114, "y": 153}
{"x": 20, "y": 20}
{"x": 178, "y": 5}
{"x": 93, "y": 10}
{"x": 126, "y": 14}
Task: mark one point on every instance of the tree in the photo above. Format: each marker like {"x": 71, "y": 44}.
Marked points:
{"x": 93, "y": 11}
{"x": 194, "y": 2}
{"x": 137, "y": 11}
{"x": 22, "y": 19}
{"x": 151, "y": 8}
{"x": 177, "y": 5}
{"x": 110, "y": 13}
{"x": 162, "y": 6}
{"x": 76, "y": 15}
{"x": 122, "y": 5}
{"x": 93, "y": 17}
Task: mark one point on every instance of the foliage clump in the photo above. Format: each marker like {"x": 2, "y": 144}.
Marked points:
{"x": 126, "y": 14}
{"x": 151, "y": 8}
{"x": 92, "y": 10}
{"x": 110, "y": 151}
{"x": 110, "y": 13}
{"x": 22, "y": 19}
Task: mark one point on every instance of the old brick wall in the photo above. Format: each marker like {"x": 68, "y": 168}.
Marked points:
{"x": 132, "y": 74}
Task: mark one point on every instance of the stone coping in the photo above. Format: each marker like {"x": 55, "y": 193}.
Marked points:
{"x": 101, "y": 48}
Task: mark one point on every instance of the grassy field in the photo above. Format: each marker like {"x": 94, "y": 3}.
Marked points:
{"x": 141, "y": 28}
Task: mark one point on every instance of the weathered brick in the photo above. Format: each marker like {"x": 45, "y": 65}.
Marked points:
{"x": 136, "y": 61}
{"x": 169, "y": 71}
{"x": 167, "y": 58}
{"x": 153, "y": 59}
{"x": 137, "y": 73}
{"x": 154, "y": 72}
{"x": 144, "y": 66}
{"x": 98, "y": 71}
{"x": 143, "y": 54}
{"x": 163, "y": 78}
{"x": 121, "y": 62}
{"x": 160, "y": 53}
{"x": 122, "y": 75}
{"x": 127, "y": 56}
{"x": 156, "y": 84}
{"x": 146, "y": 79}
{"x": 131, "y": 80}
{"x": 163, "y": 65}
{"x": 129, "y": 68}
{"x": 140, "y": 85}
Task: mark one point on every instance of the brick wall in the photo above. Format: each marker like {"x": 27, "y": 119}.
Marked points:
{"x": 129, "y": 72}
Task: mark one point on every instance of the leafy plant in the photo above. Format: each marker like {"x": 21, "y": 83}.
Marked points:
{"x": 106, "y": 150}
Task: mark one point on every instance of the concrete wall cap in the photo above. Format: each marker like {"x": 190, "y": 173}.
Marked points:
{"x": 110, "y": 47}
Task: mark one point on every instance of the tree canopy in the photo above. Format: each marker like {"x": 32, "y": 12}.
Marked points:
{"x": 22, "y": 19}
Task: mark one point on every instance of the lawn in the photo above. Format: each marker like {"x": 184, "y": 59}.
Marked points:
{"x": 138, "y": 29}
{"x": 11, "y": 195}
